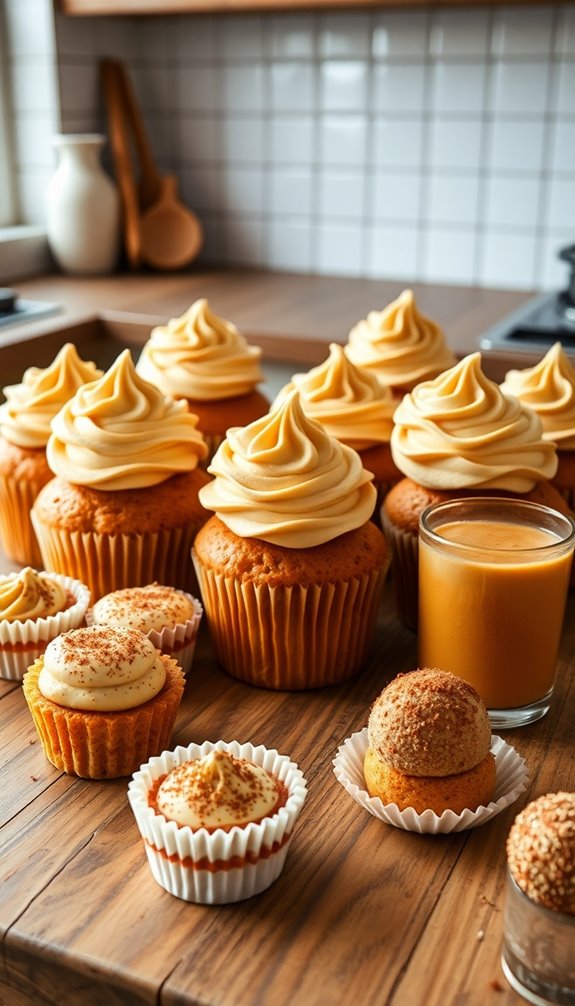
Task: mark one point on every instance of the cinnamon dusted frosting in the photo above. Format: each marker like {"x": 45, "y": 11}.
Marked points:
{"x": 548, "y": 389}
{"x": 30, "y": 406}
{"x": 461, "y": 432}
{"x": 219, "y": 791}
{"x": 349, "y": 403}
{"x": 120, "y": 432}
{"x": 145, "y": 608}
{"x": 200, "y": 356}
{"x": 29, "y": 594}
{"x": 103, "y": 668}
{"x": 541, "y": 851}
{"x": 399, "y": 344}
{"x": 285, "y": 480}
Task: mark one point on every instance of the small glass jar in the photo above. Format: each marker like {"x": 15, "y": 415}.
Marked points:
{"x": 538, "y": 955}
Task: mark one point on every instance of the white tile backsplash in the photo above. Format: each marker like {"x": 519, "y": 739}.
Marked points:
{"x": 435, "y": 143}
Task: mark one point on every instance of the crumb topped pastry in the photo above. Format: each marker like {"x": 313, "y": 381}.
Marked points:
{"x": 541, "y": 851}
{"x": 103, "y": 699}
{"x": 218, "y": 791}
{"x": 429, "y": 744}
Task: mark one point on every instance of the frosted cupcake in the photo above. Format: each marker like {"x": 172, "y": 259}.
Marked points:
{"x": 24, "y": 431}
{"x": 205, "y": 359}
{"x": 103, "y": 700}
{"x": 549, "y": 389}
{"x": 34, "y": 608}
{"x": 123, "y": 509}
{"x": 352, "y": 406}
{"x": 399, "y": 345}
{"x": 290, "y": 567}
{"x": 457, "y": 436}
{"x": 170, "y": 618}
{"x": 217, "y": 819}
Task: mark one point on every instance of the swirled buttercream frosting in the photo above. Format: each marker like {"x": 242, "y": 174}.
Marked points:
{"x": 29, "y": 408}
{"x": 350, "y": 403}
{"x": 285, "y": 480}
{"x": 146, "y": 608}
{"x": 461, "y": 432}
{"x": 103, "y": 668}
{"x": 120, "y": 432}
{"x": 399, "y": 345}
{"x": 219, "y": 791}
{"x": 200, "y": 356}
{"x": 29, "y": 594}
{"x": 548, "y": 389}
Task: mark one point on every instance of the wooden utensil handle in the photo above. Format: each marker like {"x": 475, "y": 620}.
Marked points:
{"x": 149, "y": 186}
{"x": 122, "y": 162}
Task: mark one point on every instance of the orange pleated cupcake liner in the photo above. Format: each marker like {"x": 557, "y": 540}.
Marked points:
{"x": 213, "y": 441}
{"x": 290, "y": 637}
{"x": 404, "y": 566}
{"x": 16, "y": 532}
{"x": 98, "y": 745}
{"x": 107, "y": 562}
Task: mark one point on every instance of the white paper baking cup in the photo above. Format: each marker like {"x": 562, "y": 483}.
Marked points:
{"x": 510, "y": 781}
{"x": 21, "y": 643}
{"x": 178, "y": 641}
{"x": 242, "y": 861}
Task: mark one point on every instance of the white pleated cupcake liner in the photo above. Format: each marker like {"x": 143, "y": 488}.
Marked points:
{"x": 177, "y": 641}
{"x": 220, "y": 867}
{"x": 510, "y": 781}
{"x": 21, "y": 643}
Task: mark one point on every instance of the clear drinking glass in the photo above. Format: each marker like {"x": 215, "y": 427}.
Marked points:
{"x": 538, "y": 955}
{"x": 493, "y": 579}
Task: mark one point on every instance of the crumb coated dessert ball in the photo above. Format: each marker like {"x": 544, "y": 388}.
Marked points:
{"x": 429, "y": 744}
{"x": 206, "y": 360}
{"x": 541, "y": 851}
{"x": 25, "y": 419}
{"x": 103, "y": 699}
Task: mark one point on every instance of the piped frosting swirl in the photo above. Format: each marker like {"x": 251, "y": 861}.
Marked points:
{"x": 29, "y": 408}
{"x": 120, "y": 432}
{"x": 29, "y": 594}
{"x": 461, "y": 432}
{"x": 200, "y": 356}
{"x": 548, "y": 389}
{"x": 350, "y": 403}
{"x": 285, "y": 480}
{"x": 102, "y": 668}
{"x": 399, "y": 345}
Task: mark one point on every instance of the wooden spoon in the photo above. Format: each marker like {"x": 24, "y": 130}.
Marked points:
{"x": 171, "y": 235}
{"x": 123, "y": 164}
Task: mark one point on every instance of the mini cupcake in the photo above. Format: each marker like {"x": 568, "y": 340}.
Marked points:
{"x": 204, "y": 359}
{"x": 290, "y": 567}
{"x": 549, "y": 389}
{"x": 24, "y": 431}
{"x": 541, "y": 853}
{"x": 123, "y": 509}
{"x": 399, "y": 345}
{"x": 458, "y": 436}
{"x": 103, "y": 700}
{"x": 170, "y": 618}
{"x": 217, "y": 820}
{"x": 354, "y": 407}
{"x": 34, "y": 608}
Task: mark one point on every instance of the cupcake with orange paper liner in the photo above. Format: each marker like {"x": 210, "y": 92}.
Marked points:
{"x": 399, "y": 346}
{"x": 25, "y": 419}
{"x": 34, "y": 608}
{"x": 217, "y": 819}
{"x": 170, "y": 618}
{"x": 290, "y": 567}
{"x": 458, "y": 436}
{"x": 352, "y": 406}
{"x": 123, "y": 509}
{"x": 205, "y": 359}
{"x": 103, "y": 700}
{"x": 549, "y": 389}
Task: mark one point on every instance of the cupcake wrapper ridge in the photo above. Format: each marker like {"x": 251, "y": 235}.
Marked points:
{"x": 16, "y": 532}
{"x": 404, "y": 565}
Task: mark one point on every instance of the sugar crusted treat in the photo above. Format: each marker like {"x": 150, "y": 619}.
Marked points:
{"x": 541, "y": 851}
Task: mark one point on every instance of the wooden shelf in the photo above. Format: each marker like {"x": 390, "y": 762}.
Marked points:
{"x": 85, "y": 8}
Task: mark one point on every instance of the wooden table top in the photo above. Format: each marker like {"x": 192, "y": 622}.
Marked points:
{"x": 361, "y": 911}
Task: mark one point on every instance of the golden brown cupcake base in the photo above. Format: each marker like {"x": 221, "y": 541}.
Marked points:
{"x": 102, "y": 745}
{"x": 23, "y": 473}
{"x": 215, "y": 417}
{"x": 466, "y": 790}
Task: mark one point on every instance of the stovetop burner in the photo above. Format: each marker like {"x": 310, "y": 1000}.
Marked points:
{"x": 540, "y": 322}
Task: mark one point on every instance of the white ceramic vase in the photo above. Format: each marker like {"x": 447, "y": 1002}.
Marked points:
{"x": 82, "y": 208}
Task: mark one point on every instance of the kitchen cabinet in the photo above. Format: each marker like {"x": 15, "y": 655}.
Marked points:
{"x": 91, "y": 7}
